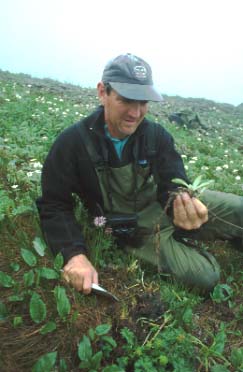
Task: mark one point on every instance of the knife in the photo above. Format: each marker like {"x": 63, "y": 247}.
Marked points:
{"x": 102, "y": 291}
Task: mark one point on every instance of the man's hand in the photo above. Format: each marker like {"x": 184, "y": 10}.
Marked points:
{"x": 189, "y": 213}
{"x": 80, "y": 273}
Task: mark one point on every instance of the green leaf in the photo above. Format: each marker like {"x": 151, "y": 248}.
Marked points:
{"x": 6, "y": 280}
{"x": 45, "y": 363}
{"x": 15, "y": 266}
{"x": 63, "y": 304}
{"x": 84, "y": 349}
{"x": 109, "y": 340}
{"x": 91, "y": 334}
{"x": 58, "y": 262}
{"x": 181, "y": 182}
{"x": 29, "y": 278}
{"x": 16, "y": 298}
{"x": 202, "y": 185}
{"x": 113, "y": 368}
{"x": 48, "y": 328}
{"x": 219, "y": 368}
{"x": 37, "y": 308}
{"x": 3, "y": 311}
{"x": 102, "y": 329}
{"x": 39, "y": 246}
{"x": 47, "y": 273}
{"x": 96, "y": 359}
{"x": 236, "y": 357}
{"x": 219, "y": 342}
{"x": 17, "y": 321}
{"x": 197, "y": 182}
{"x": 28, "y": 257}
{"x": 62, "y": 366}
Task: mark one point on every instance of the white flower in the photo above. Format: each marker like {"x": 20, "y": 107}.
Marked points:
{"x": 14, "y": 186}
{"x": 218, "y": 168}
{"x": 235, "y": 170}
{"x": 184, "y": 156}
{"x": 225, "y": 166}
{"x": 37, "y": 165}
{"x": 99, "y": 221}
{"x": 238, "y": 178}
{"x": 30, "y": 174}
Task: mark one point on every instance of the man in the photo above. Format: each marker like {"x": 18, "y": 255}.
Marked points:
{"x": 121, "y": 165}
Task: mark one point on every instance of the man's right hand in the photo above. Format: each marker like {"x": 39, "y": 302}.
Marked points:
{"x": 80, "y": 273}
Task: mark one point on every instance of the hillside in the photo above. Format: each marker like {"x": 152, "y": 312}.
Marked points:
{"x": 157, "y": 325}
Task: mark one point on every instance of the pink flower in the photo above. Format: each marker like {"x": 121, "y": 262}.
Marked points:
{"x": 99, "y": 221}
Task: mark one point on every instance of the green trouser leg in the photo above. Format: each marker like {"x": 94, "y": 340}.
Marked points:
{"x": 188, "y": 265}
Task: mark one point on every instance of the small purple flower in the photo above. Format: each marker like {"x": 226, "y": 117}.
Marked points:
{"x": 99, "y": 221}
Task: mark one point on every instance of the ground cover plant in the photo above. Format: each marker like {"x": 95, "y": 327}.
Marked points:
{"x": 157, "y": 325}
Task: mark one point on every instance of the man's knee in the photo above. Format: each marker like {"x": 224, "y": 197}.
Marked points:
{"x": 205, "y": 282}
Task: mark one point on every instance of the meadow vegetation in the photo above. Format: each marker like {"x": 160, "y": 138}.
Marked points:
{"x": 157, "y": 325}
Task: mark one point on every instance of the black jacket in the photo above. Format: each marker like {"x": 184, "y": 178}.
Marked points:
{"x": 68, "y": 170}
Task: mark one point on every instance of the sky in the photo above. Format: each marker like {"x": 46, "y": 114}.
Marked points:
{"x": 194, "y": 47}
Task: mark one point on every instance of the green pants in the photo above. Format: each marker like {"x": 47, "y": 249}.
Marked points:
{"x": 186, "y": 264}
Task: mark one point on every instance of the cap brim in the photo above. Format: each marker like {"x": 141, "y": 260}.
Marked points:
{"x": 137, "y": 92}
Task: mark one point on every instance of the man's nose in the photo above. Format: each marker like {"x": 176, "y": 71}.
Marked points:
{"x": 135, "y": 109}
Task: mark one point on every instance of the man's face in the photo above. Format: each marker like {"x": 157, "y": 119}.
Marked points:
{"x": 122, "y": 115}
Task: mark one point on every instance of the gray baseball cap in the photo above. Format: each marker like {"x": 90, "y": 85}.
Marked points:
{"x": 131, "y": 77}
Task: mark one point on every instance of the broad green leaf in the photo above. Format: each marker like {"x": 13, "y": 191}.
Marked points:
{"x": 206, "y": 183}
{"x": 236, "y": 357}
{"x": 84, "y": 349}
{"x": 37, "y": 308}
{"x": 219, "y": 342}
{"x": 39, "y": 246}
{"x": 6, "y": 280}
{"x": 48, "y": 273}
{"x": 29, "y": 278}
{"x": 48, "y": 327}
{"x": 62, "y": 366}
{"x": 3, "y": 311}
{"x": 96, "y": 359}
{"x": 28, "y": 257}
{"x": 63, "y": 304}
{"x": 91, "y": 334}
{"x": 110, "y": 340}
{"x": 16, "y": 298}
{"x": 15, "y": 266}
{"x": 113, "y": 368}
{"x": 58, "y": 262}
{"x": 102, "y": 329}
{"x": 197, "y": 182}
{"x": 219, "y": 368}
{"x": 45, "y": 363}
{"x": 179, "y": 181}
{"x": 17, "y": 321}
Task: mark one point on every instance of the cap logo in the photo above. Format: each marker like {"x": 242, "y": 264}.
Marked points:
{"x": 140, "y": 72}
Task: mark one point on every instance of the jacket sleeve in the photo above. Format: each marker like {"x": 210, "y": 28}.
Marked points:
{"x": 170, "y": 165}
{"x": 60, "y": 179}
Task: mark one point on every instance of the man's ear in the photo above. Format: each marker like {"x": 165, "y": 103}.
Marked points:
{"x": 101, "y": 92}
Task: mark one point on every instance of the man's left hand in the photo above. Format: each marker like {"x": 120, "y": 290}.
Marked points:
{"x": 189, "y": 212}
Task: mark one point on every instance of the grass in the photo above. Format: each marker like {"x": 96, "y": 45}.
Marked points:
{"x": 157, "y": 325}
